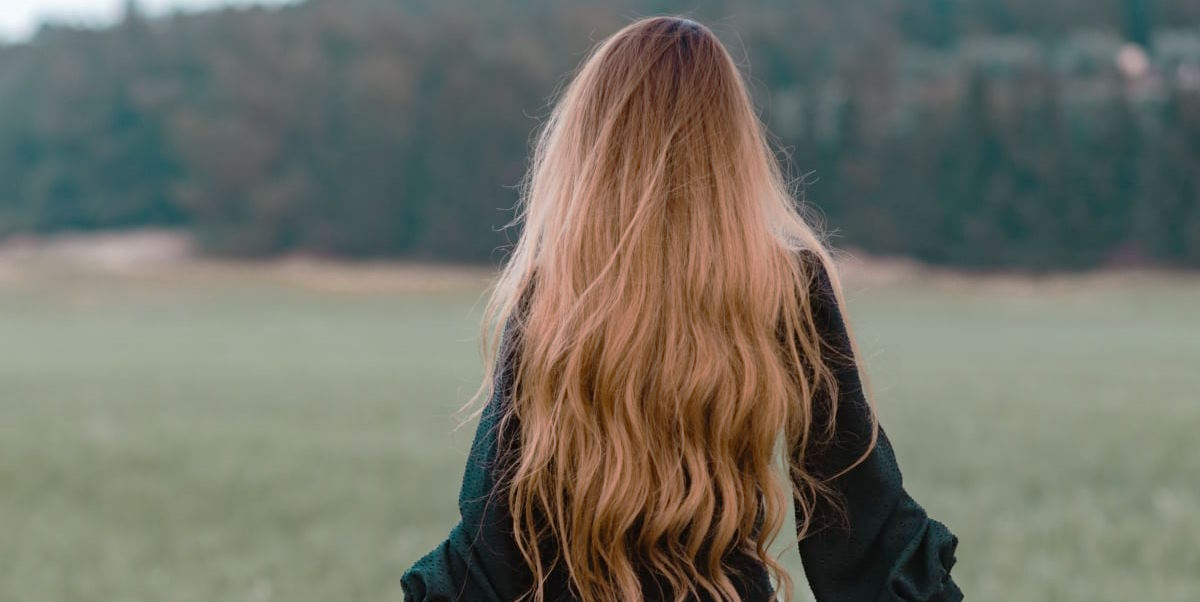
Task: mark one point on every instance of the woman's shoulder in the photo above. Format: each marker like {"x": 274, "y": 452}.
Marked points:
{"x": 816, "y": 268}
{"x": 816, "y": 264}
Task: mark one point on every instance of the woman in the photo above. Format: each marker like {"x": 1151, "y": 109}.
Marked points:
{"x": 669, "y": 373}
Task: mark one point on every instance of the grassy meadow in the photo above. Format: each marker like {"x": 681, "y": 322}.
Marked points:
{"x": 240, "y": 438}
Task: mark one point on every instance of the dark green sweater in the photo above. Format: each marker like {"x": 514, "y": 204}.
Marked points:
{"x": 891, "y": 550}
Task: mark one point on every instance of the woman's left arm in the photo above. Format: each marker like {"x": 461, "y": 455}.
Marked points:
{"x": 892, "y": 551}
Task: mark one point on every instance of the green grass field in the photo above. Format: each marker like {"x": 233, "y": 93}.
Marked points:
{"x": 232, "y": 441}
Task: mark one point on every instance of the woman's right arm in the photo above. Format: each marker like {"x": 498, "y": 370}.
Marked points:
{"x": 479, "y": 560}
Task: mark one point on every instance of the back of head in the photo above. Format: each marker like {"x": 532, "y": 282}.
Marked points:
{"x": 667, "y": 349}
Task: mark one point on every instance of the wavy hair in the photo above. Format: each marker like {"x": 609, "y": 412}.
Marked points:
{"x": 670, "y": 383}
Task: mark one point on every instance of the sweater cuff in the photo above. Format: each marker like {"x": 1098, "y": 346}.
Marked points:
{"x": 925, "y": 576}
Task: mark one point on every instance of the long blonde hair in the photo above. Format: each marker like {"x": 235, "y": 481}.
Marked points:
{"x": 670, "y": 379}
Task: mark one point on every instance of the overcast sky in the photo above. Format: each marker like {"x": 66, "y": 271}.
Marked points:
{"x": 20, "y": 18}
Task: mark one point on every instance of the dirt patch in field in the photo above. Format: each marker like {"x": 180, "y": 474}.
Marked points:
{"x": 367, "y": 278}
{"x": 168, "y": 258}
{"x": 114, "y": 251}
{"x": 859, "y": 269}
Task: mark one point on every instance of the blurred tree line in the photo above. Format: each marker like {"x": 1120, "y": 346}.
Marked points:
{"x": 980, "y": 133}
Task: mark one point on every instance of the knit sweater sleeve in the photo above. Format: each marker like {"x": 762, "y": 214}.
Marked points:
{"x": 478, "y": 561}
{"x": 887, "y": 549}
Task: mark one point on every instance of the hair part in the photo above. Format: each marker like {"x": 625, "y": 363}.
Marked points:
{"x": 670, "y": 379}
